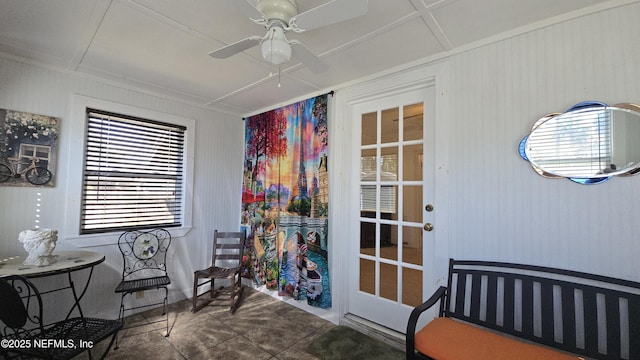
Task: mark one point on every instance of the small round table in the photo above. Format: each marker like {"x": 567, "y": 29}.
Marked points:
{"x": 66, "y": 263}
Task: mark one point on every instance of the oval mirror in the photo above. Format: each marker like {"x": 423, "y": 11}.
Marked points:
{"x": 588, "y": 143}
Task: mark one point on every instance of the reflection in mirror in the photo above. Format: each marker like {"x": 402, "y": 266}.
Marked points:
{"x": 588, "y": 143}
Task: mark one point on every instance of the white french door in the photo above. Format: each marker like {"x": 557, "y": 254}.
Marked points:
{"x": 391, "y": 262}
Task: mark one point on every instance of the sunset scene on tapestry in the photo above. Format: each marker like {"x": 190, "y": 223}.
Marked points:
{"x": 285, "y": 201}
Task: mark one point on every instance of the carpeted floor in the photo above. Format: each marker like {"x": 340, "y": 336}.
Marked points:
{"x": 345, "y": 343}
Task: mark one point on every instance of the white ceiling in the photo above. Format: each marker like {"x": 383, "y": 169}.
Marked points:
{"x": 163, "y": 45}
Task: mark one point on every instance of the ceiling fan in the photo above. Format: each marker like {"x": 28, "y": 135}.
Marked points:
{"x": 281, "y": 16}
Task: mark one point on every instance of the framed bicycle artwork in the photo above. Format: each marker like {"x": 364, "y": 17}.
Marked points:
{"x": 28, "y": 148}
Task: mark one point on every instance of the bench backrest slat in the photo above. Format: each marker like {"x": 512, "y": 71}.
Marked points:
{"x": 612, "y": 306}
{"x": 461, "y": 288}
{"x": 590, "y": 320}
{"x": 634, "y": 331}
{"x": 475, "y": 296}
{"x": 492, "y": 301}
{"x": 509, "y": 303}
{"x": 546, "y": 297}
{"x": 568, "y": 317}
{"x": 527, "y": 306}
{"x": 582, "y": 313}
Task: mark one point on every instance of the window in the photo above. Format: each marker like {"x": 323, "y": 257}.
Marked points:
{"x": 133, "y": 173}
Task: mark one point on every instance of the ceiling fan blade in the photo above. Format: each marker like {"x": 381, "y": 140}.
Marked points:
{"x": 308, "y": 58}
{"x": 330, "y": 13}
{"x": 236, "y": 47}
{"x": 248, "y": 7}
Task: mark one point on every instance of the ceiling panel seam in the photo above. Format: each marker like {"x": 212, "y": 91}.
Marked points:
{"x": 186, "y": 29}
{"x": 361, "y": 39}
{"x": 97, "y": 16}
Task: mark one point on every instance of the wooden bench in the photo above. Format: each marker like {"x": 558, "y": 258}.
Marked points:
{"x": 493, "y": 310}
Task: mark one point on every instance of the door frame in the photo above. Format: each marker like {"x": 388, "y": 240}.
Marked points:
{"x": 345, "y": 171}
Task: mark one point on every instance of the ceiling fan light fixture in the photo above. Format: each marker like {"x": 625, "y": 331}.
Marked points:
{"x": 276, "y": 49}
{"x": 281, "y": 16}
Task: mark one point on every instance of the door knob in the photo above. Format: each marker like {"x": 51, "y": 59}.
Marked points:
{"x": 428, "y": 226}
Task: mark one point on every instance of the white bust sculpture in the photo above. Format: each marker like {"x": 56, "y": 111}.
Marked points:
{"x": 39, "y": 244}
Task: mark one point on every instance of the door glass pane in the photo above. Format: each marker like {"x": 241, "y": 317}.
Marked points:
{"x": 368, "y": 211}
{"x": 369, "y": 128}
{"x": 412, "y": 203}
{"x": 389, "y": 164}
{"x": 411, "y": 287}
{"x": 412, "y": 116}
{"x": 388, "y": 202}
{"x": 389, "y": 281}
{"x": 368, "y": 170}
{"x": 368, "y": 237}
{"x": 368, "y": 201}
{"x": 390, "y": 125}
{"x": 367, "y": 276}
{"x": 412, "y": 245}
{"x": 389, "y": 241}
{"x": 388, "y": 192}
{"x": 368, "y": 165}
{"x": 412, "y": 162}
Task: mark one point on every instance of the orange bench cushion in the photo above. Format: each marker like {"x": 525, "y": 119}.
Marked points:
{"x": 448, "y": 339}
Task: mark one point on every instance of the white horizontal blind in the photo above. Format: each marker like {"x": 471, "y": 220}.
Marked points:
{"x": 133, "y": 173}
{"x": 388, "y": 195}
{"x": 578, "y": 145}
{"x": 387, "y": 198}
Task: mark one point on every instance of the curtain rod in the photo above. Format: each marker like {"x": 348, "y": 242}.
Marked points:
{"x": 331, "y": 92}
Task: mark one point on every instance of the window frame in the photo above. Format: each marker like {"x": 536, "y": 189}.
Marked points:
{"x": 77, "y": 139}
{"x": 148, "y": 180}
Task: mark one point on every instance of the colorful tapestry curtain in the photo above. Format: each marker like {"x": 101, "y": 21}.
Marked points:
{"x": 285, "y": 200}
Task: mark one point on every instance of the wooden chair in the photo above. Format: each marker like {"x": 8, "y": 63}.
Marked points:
{"x": 144, "y": 255}
{"x": 226, "y": 263}
{"x": 25, "y": 336}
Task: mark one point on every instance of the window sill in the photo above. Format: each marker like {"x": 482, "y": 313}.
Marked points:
{"x": 95, "y": 240}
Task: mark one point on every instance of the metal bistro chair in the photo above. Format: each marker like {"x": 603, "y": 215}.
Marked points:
{"x": 226, "y": 263}
{"x": 25, "y": 336}
{"x": 144, "y": 253}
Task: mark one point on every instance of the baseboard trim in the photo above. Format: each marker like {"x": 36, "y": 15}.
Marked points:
{"x": 377, "y": 331}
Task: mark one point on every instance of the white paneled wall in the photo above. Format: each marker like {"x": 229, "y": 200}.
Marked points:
{"x": 216, "y": 186}
{"x": 501, "y": 209}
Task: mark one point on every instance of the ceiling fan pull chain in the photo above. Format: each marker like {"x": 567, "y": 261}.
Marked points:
{"x": 279, "y": 68}
{"x": 272, "y": 31}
